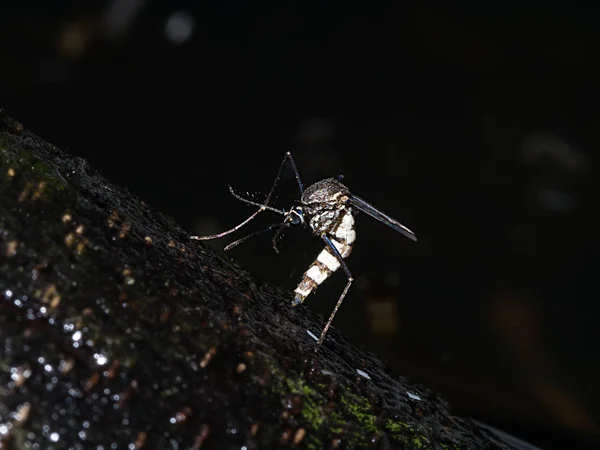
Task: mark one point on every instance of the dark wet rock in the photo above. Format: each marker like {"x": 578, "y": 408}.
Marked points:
{"x": 118, "y": 331}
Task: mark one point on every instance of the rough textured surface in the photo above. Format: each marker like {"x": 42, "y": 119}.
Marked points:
{"x": 118, "y": 332}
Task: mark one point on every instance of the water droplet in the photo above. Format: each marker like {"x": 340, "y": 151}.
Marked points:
{"x": 363, "y": 374}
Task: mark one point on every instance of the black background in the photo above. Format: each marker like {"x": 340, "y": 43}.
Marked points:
{"x": 476, "y": 126}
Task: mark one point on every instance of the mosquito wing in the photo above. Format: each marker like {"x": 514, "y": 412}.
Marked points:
{"x": 369, "y": 209}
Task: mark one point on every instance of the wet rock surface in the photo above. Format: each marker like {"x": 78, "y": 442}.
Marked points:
{"x": 118, "y": 332}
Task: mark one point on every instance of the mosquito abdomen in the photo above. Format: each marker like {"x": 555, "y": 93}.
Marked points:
{"x": 342, "y": 237}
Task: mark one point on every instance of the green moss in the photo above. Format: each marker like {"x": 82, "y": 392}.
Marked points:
{"x": 355, "y": 409}
{"x": 312, "y": 411}
{"x": 32, "y": 169}
{"x": 360, "y": 409}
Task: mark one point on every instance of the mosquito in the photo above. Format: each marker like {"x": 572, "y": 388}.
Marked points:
{"x": 328, "y": 208}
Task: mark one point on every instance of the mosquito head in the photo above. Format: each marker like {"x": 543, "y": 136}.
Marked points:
{"x": 295, "y": 216}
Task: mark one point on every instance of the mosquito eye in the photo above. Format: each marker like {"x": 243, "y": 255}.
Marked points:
{"x": 296, "y": 216}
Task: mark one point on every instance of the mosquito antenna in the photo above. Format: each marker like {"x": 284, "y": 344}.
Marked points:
{"x": 256, "y": 233}
{"x": 261, "y": 205}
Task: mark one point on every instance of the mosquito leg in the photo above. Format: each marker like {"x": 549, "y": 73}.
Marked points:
{"x": 248, "y": 236}
{"x": 262, "y": 207}
{"x": 276, "y": 237}
{"x": 225, "y": 233}
{"x": 296, "y": 173}
{"x": 344, "y": 292}
{"x": 288, "y": 156}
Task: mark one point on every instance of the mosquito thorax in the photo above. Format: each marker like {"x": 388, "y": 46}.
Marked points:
{"x": 329, "y": 191}
{"x": 323, "y": 205}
